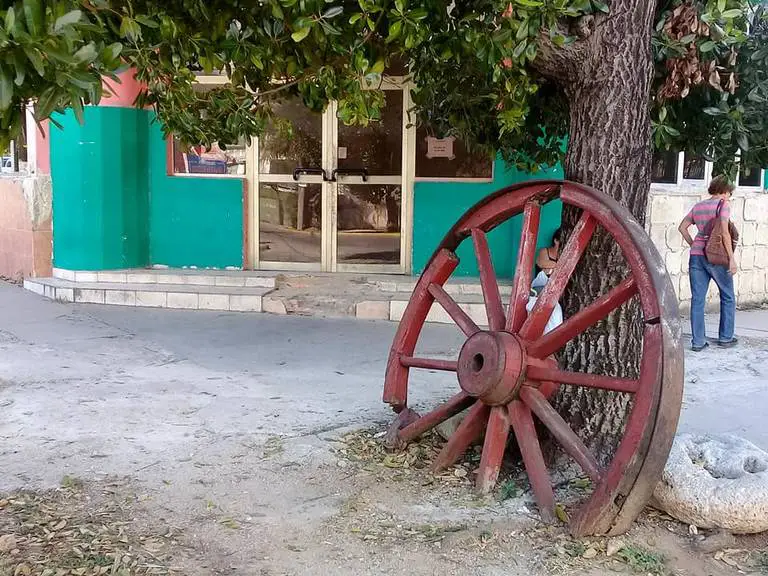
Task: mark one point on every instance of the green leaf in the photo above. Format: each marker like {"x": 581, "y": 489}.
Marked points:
{"x": 37, "y": 61}
{"x": 333, "y": 11}
{"x": 394, "y": 30}
{"x": 742, "y": 141}
{"x": 87, "y": 53}
{"x": 130, "y": 29}
{"x": 146, "y": 21}
{"x": 68, "y": 19}
{"x": 601, "y": 6}
{"x": 712, "y": 111}
{"x": 33, "y": 14}
{"x": 10, "y": 20}
{"x": 707, "y": 46}
{"x": 378, "y": 67}
{"x": 77, "y": 108}
{"x": 6, "y": 90}
{"x": 355, "y": 17}
{"x": 733, "y": 13}
{"x": 300, "y": 34}
{"x": 277, "y": 12}
{"x": 721, "y": 4}
{"x": 419, "y": 14}
{"x": 112, "y": 52}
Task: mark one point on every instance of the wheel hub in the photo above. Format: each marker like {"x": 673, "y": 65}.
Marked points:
{"x": 491, "y": 367}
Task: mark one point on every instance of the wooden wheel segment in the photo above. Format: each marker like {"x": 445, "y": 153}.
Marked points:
{"x": 506, "y": 373}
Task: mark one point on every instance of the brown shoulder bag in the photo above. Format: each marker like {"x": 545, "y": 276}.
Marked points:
{"x": 715, "y": 249}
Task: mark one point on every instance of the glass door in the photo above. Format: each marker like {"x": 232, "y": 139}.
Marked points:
{"x": 367, "y": 183}
{"x": 291, "y": 191}
{"x": 329, "y": 197}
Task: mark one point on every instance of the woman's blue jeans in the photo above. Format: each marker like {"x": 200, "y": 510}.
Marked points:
{"x": 701, "y": 272}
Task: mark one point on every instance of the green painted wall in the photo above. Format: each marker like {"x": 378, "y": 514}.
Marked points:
{"x": 438, "y": 205}
{"x": 193, "y": 221}
{"x": 100, "y": 193}
{"x": 114, "y": 206}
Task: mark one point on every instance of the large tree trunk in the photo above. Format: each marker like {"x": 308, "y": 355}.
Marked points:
{"x": 609, "y": 149}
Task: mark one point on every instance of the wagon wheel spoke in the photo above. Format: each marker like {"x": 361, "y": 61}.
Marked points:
{"x": 526, "y": 255}
{"x": 462, "y": 319}
{"x": 528, "y": 442}
{"x": 493, "y": 307}
{"x": 468, "y": 431}
{"x": 453, "y": 406}
{"x": 550, "y": 295}
{"x": 559, "y": 428}
{"x": 543, "y": 373}
{"x": 583, "y": 319}
{"x": 428, "y": 363}
{"x": 493, "y": 449}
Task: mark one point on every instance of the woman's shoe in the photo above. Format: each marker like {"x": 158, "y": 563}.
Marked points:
{"x": 728, "y": 343}
{"x": 700, "y": 348}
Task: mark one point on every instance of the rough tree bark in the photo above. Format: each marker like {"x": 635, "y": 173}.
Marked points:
{"x": 606, "y": 77}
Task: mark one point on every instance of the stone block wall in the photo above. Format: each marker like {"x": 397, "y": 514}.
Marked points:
{"x": 749, "y": 212}
{"x": 25, "y": 226}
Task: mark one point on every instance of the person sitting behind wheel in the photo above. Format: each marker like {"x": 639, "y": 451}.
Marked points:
{"x": 546, "y": 260}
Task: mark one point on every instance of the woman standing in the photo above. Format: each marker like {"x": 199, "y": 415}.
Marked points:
{"x": 715, "y": 211}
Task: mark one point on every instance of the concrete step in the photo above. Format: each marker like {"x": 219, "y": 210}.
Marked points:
{"x": 454, "y": 287}
{"x": 191, "y": 277}
{"x": 367, "y": 297}
{"x": 152, "y": 295}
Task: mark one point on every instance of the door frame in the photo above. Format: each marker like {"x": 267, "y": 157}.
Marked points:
{"x": 328, "y": 261}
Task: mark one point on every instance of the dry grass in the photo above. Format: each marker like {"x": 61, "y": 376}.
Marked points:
{"x": 67, "y": 532}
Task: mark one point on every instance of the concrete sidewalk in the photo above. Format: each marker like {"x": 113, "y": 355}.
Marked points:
{"x": 749, "y": 324}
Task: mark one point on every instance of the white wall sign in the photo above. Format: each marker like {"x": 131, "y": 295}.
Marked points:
{"x": 440, "y": 147}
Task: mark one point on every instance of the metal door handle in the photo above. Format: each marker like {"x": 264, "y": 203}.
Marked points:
{"x": 310, "y": 171}
{"x": 362, "y": 172}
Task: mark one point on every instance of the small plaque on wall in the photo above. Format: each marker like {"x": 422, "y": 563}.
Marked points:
{"x": 440, "y": 147}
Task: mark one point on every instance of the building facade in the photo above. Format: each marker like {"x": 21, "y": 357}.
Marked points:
{"x": 311, "y": 195}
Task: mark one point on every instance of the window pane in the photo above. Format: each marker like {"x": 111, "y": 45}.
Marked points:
{"x": 448, "y": 158}
{"x": 289, "y": 222}
{"x": 293, "y": 140}
{"x": 693, "y": 168}
{"x": 225, "y": 160}
{"x": 369, "y": 224}
{"x": 664, "y": 168}
{"x": 751, "y": 179}
{"x": 377, "y": 147}
{"x": 213, "y": 160}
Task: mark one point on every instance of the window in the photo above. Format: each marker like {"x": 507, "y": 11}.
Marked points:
{"x": 753, "y": 178}
{"x": 220, "y": 160}
{"x": 448, "y": 159}
{"x": 694, "y": 167}
{"x": 664, "y": 167}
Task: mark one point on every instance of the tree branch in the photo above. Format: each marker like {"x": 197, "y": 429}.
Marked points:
{"x": 560, "y": 63}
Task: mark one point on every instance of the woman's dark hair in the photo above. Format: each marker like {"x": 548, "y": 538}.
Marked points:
{"x": 720, "y": 185}
{"x": 558, "y": 236}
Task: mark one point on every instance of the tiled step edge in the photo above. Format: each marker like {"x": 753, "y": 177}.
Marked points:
{"x": 235, "y": 299}
{"x": 177, "y": 296}
{"x": 223, "y": 278}
{"x": 454, "y": 288}
{"x": 393, "y": 311}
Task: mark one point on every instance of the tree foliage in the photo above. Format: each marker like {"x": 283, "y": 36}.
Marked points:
{"x": 476, "y": 66}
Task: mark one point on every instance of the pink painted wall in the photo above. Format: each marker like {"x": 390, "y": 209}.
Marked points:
{"x": 123, "y": 94}
{"x": 43, "y": 149}
{"x": 25, "y": 230}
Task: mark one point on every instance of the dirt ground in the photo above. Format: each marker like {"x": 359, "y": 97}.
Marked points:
{"x": 358, "y": 510}
{"x": 137, "y": 442}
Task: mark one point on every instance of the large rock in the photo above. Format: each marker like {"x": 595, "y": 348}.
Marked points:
{"x": 716, "y": 482}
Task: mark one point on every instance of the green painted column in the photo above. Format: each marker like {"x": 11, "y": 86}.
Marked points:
{"x": 100, "y": 189}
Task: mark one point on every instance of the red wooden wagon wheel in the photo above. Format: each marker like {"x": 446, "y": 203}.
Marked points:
{"x": 506, "y": 372}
